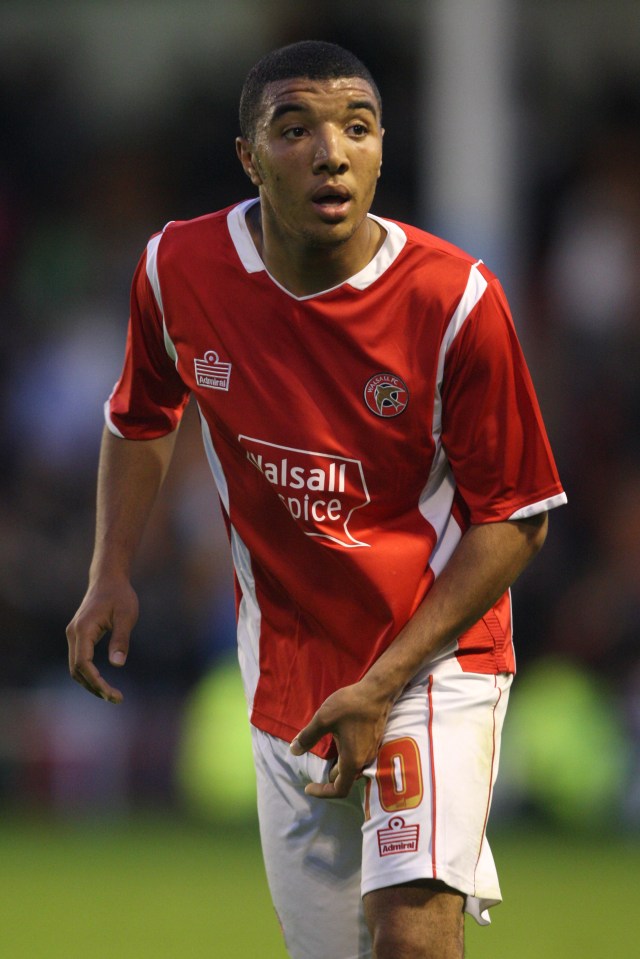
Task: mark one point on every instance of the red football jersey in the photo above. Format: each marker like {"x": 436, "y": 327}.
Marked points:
{"x": 353, "y": 436}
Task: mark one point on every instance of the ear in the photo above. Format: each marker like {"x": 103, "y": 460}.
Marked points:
{"x": 382, "y": 138}
{"x": 246, "y": 155}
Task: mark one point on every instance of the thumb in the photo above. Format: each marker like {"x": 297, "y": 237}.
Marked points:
{"x": 308, "y": 737}
{"x": 119, "y": 645}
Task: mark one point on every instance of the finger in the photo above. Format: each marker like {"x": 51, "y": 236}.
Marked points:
{"x": 71, "y": 644}
{"x": 94, "y": 692}
{"x": 321, "y": 790}
{"x": 308, "y": 737}
{"x": 341, "y": 778}
{"x": 338, "y": 789}
{"x": 81, "y": 681}
{"x": 84, "y": 670}
{"x": 333, "y": 776}
{"x": 87, "y": 674}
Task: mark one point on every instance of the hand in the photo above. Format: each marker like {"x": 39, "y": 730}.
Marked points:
{"x": 105, "y": 608}
{"x": 356, "y": 717}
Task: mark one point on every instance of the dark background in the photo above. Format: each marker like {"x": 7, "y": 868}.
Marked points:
{"x": 116, "y": 117}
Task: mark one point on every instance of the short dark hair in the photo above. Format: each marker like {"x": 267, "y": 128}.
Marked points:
{"x": 312, "y": 59}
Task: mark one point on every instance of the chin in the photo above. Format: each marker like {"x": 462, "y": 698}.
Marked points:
{"x": 327, "y": 235}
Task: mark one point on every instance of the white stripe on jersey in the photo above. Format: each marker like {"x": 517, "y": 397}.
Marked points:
{"x": 107, "y": 417}
{"x": 436, "y": 498}
{"x": 214, "y": 463}
{"x": 154, "y": 280}
{"x": 542, "y": 506}
{"x": 249, "y": 617}
{"x": 435, "y": 505}
{"x": 476, "y": 285}
{"x": 152, "y": 269}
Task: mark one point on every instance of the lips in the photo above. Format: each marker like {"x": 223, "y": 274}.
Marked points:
{"x": 332, "y": 193}
{"x": 331, "y": 201}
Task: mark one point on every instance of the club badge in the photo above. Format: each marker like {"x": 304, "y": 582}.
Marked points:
{"x": 386, "y": 395}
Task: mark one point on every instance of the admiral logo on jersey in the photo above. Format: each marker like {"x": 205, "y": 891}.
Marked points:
{"x": 212, "y": 373}
{"x": 320, "y": 490}
{"x": 386, "y": 395}
{"x": 398, "y": 837}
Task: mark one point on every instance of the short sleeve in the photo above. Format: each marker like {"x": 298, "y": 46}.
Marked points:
{"x": 492, "y": 428}
{"x": 150, "y": 397}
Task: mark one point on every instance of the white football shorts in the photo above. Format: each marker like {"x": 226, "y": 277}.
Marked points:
{"x": 420, "y": 811}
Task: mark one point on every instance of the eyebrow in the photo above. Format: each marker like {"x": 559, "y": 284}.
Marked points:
{"x": 288, "y": 107}
{"x": 294, "y": 106}
{"x": 363, "y": 105}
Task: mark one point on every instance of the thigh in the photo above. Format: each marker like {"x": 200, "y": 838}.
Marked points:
{"x": 423, "y": 920}
{"x": 312, "y": 852}
{"x": 429, "y": 791}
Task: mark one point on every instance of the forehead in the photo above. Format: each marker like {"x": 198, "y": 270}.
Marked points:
{"x": 327, "y": 95}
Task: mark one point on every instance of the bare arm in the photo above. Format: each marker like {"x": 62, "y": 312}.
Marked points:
{"x": 488, "y": 559}
{"x": 129, "y": 477}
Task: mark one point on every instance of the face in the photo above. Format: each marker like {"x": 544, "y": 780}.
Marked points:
{"x": 316, "y": 158}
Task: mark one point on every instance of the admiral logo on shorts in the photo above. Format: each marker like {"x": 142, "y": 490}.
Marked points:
{"x": 320, "y": 490}
{"x": 212, "y": 373}
{"x": 386, "y": 395}
{"x": 398, "y": 837}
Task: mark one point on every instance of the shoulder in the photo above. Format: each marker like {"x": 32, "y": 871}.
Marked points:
{"x": 187, "y": 233}
{"x": 184, "y": 242}
{"x": 439, "y": 268}
{"x": 184, "y": 252}
{"x": 433, "y": 245}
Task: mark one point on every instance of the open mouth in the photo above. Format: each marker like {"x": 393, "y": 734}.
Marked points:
{"x": 332, "y": 202}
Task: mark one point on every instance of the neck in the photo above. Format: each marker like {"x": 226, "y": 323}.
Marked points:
{"x": 305, "y": 269}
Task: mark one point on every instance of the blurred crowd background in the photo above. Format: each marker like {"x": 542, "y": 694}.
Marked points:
{"x": 513, "y": 128}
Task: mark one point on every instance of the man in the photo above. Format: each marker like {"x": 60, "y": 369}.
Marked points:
{"x": 385, "y": 476}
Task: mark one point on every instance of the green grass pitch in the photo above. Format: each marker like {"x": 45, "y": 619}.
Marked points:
{"x": 157, "y": 889}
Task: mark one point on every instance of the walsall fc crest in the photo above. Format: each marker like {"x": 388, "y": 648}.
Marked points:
{"x": 386, "y": 395}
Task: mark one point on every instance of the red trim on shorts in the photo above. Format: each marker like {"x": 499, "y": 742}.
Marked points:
{"x": 432, "y": 766}
{"x": 493, "y": 757}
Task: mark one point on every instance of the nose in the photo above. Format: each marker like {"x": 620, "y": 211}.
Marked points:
{"x": 330, "y": 156}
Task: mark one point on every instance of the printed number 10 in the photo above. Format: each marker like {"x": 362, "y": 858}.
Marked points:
{"x": 399, "y": 775}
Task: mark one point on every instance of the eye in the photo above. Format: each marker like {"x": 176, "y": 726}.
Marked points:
{"x": 294, "y": 133}
{"x": 358, "y": 129}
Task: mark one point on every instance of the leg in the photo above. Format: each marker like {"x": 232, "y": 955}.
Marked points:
{"x": 312, "y": 855}
{"x": 417, "y": 920}
{"x": 427, "y": 803}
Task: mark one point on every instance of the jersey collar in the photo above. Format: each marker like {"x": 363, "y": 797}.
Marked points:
{"x": 245, "y": 247}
